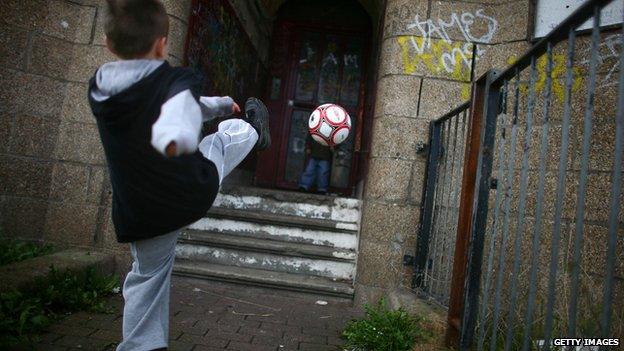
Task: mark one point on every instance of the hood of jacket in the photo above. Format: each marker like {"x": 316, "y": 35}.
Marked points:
{"x": 117, "y": 87}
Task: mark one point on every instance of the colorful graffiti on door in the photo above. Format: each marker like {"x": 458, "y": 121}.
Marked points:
{"x": 219, "y": 48}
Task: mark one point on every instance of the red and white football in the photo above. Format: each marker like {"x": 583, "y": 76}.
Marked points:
{"x": 329, "y": 124}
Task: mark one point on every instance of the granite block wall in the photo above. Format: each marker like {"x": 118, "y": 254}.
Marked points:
{"x": 54, "y": 183}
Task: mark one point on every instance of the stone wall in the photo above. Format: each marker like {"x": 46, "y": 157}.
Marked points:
{"x": 257, "y": 24}
{"x": 424, "y": 72}
{"x": 53, "y": 177}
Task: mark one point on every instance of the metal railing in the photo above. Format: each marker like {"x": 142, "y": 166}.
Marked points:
{"x": 518, "y": 312}
{"x": 440, "y": 204}
{"x": 539, "y": 251}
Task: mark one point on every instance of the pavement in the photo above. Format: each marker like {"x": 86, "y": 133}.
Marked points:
{"x": 207, "y": 316}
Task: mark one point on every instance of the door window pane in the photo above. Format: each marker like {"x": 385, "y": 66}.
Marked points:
{"x": 352, "y": 60}
{"x": 307, "y": 68}
{"x": 295, "y": 157}
{"x": 330, "y": 65}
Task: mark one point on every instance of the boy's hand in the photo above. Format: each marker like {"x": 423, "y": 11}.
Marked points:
{"x": 217, "y": 106}
{"x": 171, "y": 150}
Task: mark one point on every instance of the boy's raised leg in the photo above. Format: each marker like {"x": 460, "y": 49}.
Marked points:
{"x": 235, "y": 138}
{"x": 258, "y": 116}
{"x": 229, "y": 146}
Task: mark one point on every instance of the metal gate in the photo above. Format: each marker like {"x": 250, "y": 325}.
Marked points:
{"x": 440, "y": 204}
{"x": 539, "y": 246}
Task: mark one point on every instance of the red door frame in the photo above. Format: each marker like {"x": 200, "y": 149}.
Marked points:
{"x": 297, "y": 28}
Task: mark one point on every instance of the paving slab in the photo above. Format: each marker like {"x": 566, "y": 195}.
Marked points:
{"x": 208, "y": 315}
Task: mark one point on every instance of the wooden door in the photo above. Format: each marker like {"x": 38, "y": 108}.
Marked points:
{"x": 322, "y": 66}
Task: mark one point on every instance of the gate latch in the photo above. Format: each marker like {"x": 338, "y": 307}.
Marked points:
{"x": 493, "y": 183}
{"x": 421, "y": 148}
{"x": 408, "y": 260}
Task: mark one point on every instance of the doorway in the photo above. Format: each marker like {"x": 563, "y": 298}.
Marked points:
{"x": 319, "y": 55}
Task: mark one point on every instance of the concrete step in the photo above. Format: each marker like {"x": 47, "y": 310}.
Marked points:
{"x": 258, "y": 277}
{"x": 275, "y": 238}
{"x": 292, "y": 249}
{"x": 252, "y": 258}
{"x": 338, "y": 209}
{"x": 282, "y": 220}
{"x": 238, "y": 226}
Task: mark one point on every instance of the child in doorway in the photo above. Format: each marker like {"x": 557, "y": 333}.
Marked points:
{"x": 317, "y": 168}
{"x": 149, "y": 117}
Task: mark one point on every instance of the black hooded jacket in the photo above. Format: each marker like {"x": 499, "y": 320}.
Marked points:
{"x": 152, "y": 195}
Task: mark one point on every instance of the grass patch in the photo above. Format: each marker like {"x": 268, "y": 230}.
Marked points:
{"x": 385, "y": 329}
{"x": 24, "y": 314}
{"x": 14, "y": 251}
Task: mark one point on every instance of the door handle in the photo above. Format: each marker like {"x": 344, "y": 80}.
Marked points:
{"x": 302, "y": 104}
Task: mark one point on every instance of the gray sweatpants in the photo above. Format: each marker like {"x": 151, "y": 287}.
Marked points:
{"x": 147, "y": 285}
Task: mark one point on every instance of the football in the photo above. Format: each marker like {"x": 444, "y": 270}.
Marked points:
{"x": 329, "y": 124}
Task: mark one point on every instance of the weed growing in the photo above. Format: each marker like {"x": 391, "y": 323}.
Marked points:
{"x": 384, "y": 329}
{"x": 23, "y": 314}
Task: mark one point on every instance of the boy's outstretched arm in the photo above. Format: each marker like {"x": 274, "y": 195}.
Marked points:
{"x": 176, "y": 131}
{"x": 178, "y": 127}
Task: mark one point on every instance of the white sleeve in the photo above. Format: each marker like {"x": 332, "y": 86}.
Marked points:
{"x": 215, "y": 106}
{"x": 179, "y": 121}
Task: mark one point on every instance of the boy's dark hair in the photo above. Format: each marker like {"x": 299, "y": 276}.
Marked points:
{"x": 132, "y": 26}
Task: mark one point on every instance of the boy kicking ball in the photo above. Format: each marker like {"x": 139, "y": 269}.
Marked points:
{"x": 149, "y": 117}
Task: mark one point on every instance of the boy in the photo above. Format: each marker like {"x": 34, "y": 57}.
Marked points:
{"x": 318, "y": 167}
{"x": 149, "y": 117}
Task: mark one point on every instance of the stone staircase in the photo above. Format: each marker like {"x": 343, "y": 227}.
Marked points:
{"x": 274, "y": 238}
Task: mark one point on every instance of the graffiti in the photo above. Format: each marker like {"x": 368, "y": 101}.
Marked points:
{"x": 444, "y": 48}
{"x": 218, "y": 48}
{"x": 464, "y": 23}
{"x": 608, "y": 63}
{"x": 330, "y": 58}
{"x": 351, "y": 60}
{"x": 433, "y": 50}
{"x": 452, "y": 59}
{"x": 608, "y": 56}
{"x": 558, "y": 75}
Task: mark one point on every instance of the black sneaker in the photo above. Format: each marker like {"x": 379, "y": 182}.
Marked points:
{"x": 258, "y": 116}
